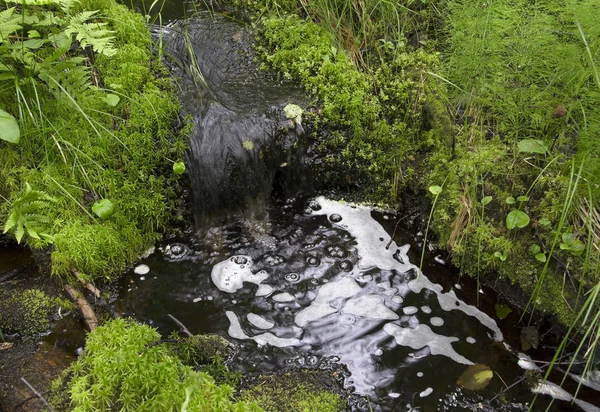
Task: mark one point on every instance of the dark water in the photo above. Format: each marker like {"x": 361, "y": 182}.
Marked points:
{"x": 312, "y": 287}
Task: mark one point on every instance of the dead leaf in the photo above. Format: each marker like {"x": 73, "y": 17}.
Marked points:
{"x": 5, "y": 345}
{"x": 560, "y": 111}
{"x": 530, "y": 338}
{"x": 476, "y": 377}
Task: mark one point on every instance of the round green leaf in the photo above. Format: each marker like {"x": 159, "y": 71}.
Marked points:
{"x": 523, "y": 198}
{"x": 541, "y": 257}
{"x": 9, "y": 128}
{"x": 500, "y": 256}
{"x": 510, "y": 200}
{"x": 516, "y": 218}
{"x": 179, "y": 168}
{"x": 545, "y": 221}
{"x": 111, "y": 99}
{"x": 103, "y": 208}
{"x": 476, "y": 377}
{"x": 436, "y": 190}
{"x": 535, "y": 249}
{"x": 486, "y": 200}
{"x": 532, "y": 146}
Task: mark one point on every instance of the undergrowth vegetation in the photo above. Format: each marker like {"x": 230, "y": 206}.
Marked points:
{"x": 493, "y": 103}
{"x": 125, "y": 366}
{"x": 89, "y": 117}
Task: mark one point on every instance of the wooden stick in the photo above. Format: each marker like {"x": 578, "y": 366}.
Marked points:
{"x": 39, "y": 395}
{"x": 87, "y": 285}
{"x": 86, "y": 309}
{"x": 181, "y": 325}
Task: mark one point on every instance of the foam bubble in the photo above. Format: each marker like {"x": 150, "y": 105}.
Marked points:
{"x": 313, "y": 261}
{"x": 422, "y": 336}
{"x": 235, "y": 331}
{"x": 259, "y": 321}
{"x": 378, "y": 352}
{"x": 426, "y": 309}
{"x": 426, "y": 392}
{"x": 345, "y": 265}
{"x": 141, "y": 269}
{"x": 369, "y": 306}
{"x": 410, "y": 310}
{"x": 320, "y": 307}
{"x": 397, "y": 299}
{"x": 435, "y": 321}
{"x": 229, "y": 275}
{"x": 471, "y": 339}
{"x": 419, "y": 374}
{"x": 292, "y": 277}
{"x": 283, "y": 297}
{"x": 335, "y": 218}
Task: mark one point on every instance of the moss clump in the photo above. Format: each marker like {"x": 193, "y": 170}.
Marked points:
{"x": 298, "y": 391}
{"x": 25, "y": 312}
{"x": 123, "y": 368}
{"x": 110, "y": 135}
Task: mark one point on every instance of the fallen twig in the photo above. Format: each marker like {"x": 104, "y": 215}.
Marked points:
{"x": 39, "y": 395}
{"x": 89, "y": 316}
{"x": 181, "y": 325}
{"x": 87, "y": 285}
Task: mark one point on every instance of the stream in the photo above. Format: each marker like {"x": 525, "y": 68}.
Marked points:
{"x": 298, "y": 281}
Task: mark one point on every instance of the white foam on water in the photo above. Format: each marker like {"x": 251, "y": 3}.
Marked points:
{"x": 426, "y": 392}
{"x": 556, "y": 392}
{"x": 435, "y": 321}
{"x": 320, "y": 307}
{"x": 419, "y": 374}
{"x": 410, "y": 310}
{"x": 591, "y": 379}
{"x": 235, "y": 331}
{"x": 369, "y": 306}
{"x": 471, "y": 339}
{"x": 373, "y": 253}
{"x": 259, "y": 321}
{"x": 197, "y": 299}
{"x": 426, "y": 309}
{"x": 378, "y": 352}
{"x": 141, "y": 269}
{"x": 283, "y": 297}
{"x": 526, "y": 363}
{"x": 230, "y": 274}
{"x": 422, "y": 336}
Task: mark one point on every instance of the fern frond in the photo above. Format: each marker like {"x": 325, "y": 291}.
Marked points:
{"x": 9, "y": 23}
{"x": 92, "y": 34}
{"x": 71, "y": 74}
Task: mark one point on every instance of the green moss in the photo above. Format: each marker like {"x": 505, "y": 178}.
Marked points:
{"x": 299, "y": 391}
{"x": 122, "y": 367}
{"x": 26, "y": 312}
{"x": 83, "y": 150}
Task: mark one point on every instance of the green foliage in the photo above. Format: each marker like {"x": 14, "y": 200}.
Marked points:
{"x": 103, "y": 208}
{"x": 28, "y": 215}
{"x": 298, "y": 391}
{"x": 81, "y": 143}
{"x": 10, "y": 128}
{"x": 26, "y": 312}
{"x": 179, "y": 168}
{"x": 123, "y": 367}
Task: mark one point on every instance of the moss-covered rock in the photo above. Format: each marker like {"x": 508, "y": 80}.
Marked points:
{"x": 26, "y": 312}
{"x": 296, "y": 391}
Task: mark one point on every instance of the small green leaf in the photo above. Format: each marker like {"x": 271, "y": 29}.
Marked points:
{"x": 545, "y": 221}
{"x": 568, "y": 238}
{"x": 535, "y": 249}
{"x": 541, "y": 257}
{"x": 9, "y": 128}
{"x": 486, "y": 200}
{"x": 523, "y": 198}
{"x": 517, "y": 218}
{"x": 500, "y": 256}
{"x": 510, "y": 200}
{"x": 103, "y": 209}
{"x": 111, "y": 99}
{"x": 532, "y": 146}
{"x": 179, "y": 168}
{"x": 436, "y": 190}
{"x": 33, "y": 34}
{"x": 502, "y": 311}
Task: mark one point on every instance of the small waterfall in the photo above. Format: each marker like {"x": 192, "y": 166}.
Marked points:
{"x": 240, "y": 135}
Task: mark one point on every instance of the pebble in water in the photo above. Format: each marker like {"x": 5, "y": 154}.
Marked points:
{"x": 141, "y": 269}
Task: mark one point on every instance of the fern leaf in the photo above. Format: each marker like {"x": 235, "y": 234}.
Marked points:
{"x": 33, "y": 234}
{"x": 92, "y": 34}
{"x": 19, "y": 233}
{"x": 8, "y": 23}
{"x": 11, "y": 222}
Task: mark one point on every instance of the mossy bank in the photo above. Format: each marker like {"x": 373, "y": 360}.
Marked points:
{"x": 90, "y": 177}
{"x": 444, "y": 97}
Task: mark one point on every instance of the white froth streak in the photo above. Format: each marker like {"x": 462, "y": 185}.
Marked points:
{"x": 367, "y": 232}
{"x": 556, "y": 392}
{"x": 235, "y": 331}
